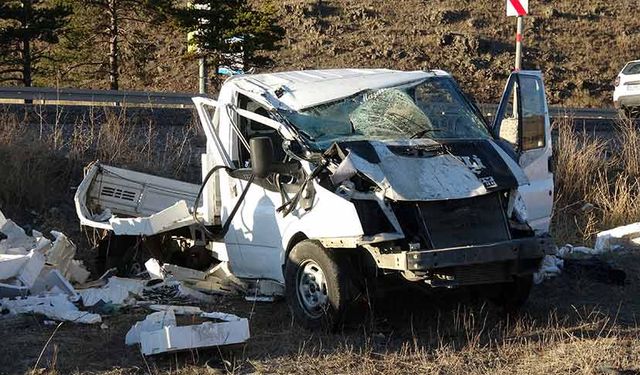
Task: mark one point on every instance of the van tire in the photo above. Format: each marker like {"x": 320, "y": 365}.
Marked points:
{"x": 314, "y": 274}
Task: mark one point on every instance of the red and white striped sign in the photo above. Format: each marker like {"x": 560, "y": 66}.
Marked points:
{"x": 517, "y": 8}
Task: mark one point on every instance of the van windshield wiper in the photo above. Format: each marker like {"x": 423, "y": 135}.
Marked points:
{"x": 423, "y": 132}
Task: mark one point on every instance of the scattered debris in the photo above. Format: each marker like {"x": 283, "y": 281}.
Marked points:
{"x": 34, "y": 265}
{"x": 217, "y": 280}
{"x": 159, "y": 332}
{"x": 627, "y": 236}
{"x": 37, "y": 276}
{"x": 56, "y": 307}
{"x": 570, "y": 258}
{"x": 118, "y": 291}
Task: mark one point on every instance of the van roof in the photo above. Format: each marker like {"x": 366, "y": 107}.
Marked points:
{"x": 307, "y": 88}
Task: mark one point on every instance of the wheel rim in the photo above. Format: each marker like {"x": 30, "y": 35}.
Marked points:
{"x": 312, "y": 289}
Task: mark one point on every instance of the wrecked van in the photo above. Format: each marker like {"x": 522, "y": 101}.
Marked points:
{"x": 326, "y": 186}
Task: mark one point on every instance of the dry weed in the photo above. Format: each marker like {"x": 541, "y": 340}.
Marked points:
{"x": 596, "y": 181}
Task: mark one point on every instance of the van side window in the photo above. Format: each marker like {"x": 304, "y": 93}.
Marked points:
{"x": 250, "y": 129}
{"x": 533, "y": 113}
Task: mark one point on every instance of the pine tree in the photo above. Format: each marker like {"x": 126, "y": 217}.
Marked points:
{"x": 107, "y": 26}
{"x": 25, "y": 26}
{"x": 216, "y": 22}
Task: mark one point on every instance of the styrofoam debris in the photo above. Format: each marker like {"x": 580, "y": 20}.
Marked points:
{"x": 56, "y": 307}
{"x": 154, "y": 269}
{"x": 162, "y": 338}
{"x": 570, "y": 251}
{"x": 77, "y": 272}
{"x": 627, "y": 236}
{"x": 10, "y": 265}
{"x": 32, "y": 268}
{"x": 117, "y": 291}
{"x": 16, "y": 237}
{"x": 551, "y": 266}
{"x": 51, "y": 281}
{"x": 178, "y": 310}
{"x": 153, "y": 322}
{"x": 8, "y": 290}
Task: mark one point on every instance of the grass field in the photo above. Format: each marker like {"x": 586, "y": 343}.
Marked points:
{"x": 573, "y": 324}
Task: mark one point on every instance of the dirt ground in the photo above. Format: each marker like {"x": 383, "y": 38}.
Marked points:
{"x": 575, "y": 323}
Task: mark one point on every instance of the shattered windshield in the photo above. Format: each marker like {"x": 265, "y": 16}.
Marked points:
{"x": 433, "y": 108}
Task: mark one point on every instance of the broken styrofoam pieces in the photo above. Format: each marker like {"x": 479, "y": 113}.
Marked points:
{"x": 118, "y": 291}
{"x": 51, "y": 281}
{"x": 10, "y": 265}
{"x": 627, "y": 236}
{"x": 178, "y": 310}
{"x": 32, "y": 268}
{"x": 153, "y": 322}
{"x": 16, "y": 237}
{"x": 551, "y": 266}
{"x": 56, "y": 307}
{"x": 159, "y": 333}
{"x": 154, "y": 269}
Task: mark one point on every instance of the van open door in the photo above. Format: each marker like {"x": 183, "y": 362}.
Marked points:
{"x": 522, "y": 121}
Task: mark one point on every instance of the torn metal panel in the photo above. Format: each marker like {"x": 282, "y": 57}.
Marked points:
{"x": 56, "y": 307}
{"x": 153, "y": 322}
{"x": 183, "y": 273}
{"x": 421, "y": 170}
{"x": 233, "y": 330}
{"x": 173, "y": 217}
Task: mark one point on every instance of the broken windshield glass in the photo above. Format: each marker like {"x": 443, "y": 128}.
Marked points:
{"x": 433, "y": 108}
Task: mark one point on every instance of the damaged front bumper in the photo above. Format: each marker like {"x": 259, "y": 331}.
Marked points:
{"x": 468, "y": 265}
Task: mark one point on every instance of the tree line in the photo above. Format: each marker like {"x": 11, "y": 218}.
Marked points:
{"x": 36, "y": 35}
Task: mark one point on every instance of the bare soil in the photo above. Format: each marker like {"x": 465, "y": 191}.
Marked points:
{"x": 571, "y": 324}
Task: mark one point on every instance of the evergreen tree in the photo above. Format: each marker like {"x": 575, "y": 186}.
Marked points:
{"x": 109, "y": 15}
{"x": 25, "y": 27}
{"x": 216, "y": 22}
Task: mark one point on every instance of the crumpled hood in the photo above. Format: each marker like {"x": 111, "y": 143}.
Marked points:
{"x": 423, "y": 170}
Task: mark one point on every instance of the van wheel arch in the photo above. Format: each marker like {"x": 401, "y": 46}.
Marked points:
{"x": 293, "y": 241}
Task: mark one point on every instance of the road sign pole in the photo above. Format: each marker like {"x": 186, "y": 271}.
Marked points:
{"x": 519, "y": 45}
{"x": 202, "y": 75}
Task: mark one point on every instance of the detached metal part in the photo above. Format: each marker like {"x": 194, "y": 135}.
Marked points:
{"x": 159, "y": 332}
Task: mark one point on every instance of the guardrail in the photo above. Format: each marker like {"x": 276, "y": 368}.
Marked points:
{"x": 567, "y": 112}
{"x": 53, "y": 96}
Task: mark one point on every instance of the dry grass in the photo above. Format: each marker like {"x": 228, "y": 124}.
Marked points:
{"x": 42, "y": 157}
{"x": 454, "y": 340}
{"x": 596, "y": 181}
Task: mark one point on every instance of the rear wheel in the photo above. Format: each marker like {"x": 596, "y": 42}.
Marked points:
{"x": 319, "y": 289}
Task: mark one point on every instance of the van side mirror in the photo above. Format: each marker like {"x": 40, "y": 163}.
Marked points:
{"x": 261, "y": 156}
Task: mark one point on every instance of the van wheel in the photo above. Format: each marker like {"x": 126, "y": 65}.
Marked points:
{"x": 318, "y": 286}
{"x": 511, "y": 296}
